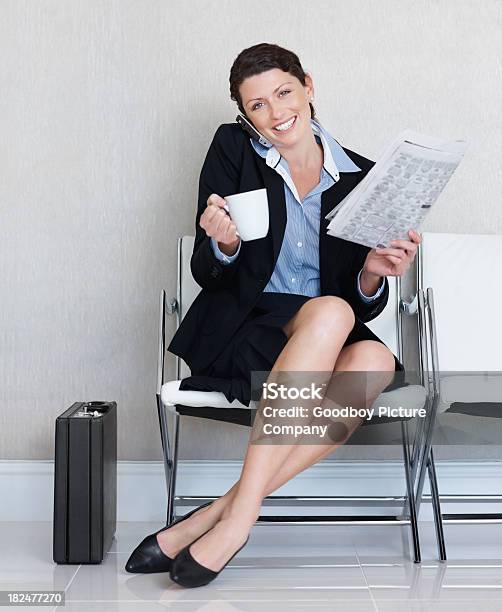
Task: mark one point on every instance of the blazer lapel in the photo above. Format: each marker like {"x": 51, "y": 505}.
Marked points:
{"x": 276, "y": 207}
{"x": 330, "y": 246}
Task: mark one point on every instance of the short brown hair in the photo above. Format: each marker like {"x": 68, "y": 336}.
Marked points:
{"x": 258, "y": 59}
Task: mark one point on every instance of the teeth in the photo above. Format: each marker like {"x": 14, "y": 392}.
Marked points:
{"x": 285, "y": 126}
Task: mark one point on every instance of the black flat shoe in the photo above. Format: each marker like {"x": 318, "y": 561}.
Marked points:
{"x": 189, "y": 573}
{"x": 147, "y": 557}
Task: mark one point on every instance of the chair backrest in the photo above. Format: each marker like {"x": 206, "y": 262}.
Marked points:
{"x": 187, "y": 291}
{"x": 463, "y": 271}
{"x": 384, "y": 326}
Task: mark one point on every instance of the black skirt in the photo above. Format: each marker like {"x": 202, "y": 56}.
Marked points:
{"x": 256, "y": 346}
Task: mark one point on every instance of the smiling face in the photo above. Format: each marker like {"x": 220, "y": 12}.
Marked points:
{"x": 278, "y": 105}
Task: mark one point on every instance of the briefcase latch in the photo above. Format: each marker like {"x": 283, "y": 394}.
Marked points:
{"x": 95, "y": 412}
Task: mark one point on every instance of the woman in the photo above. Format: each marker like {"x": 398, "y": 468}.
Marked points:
{"x": 293, "y": 301}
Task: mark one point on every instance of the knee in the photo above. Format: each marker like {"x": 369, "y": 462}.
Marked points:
{"x": 366, "y": 356}
{"x": 327, "y": 313}
{"x": 381, "y": 357}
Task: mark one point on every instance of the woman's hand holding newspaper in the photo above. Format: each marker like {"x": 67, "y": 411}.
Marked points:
{"x": 393, "y": 261}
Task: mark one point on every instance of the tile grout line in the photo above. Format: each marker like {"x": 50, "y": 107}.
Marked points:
{"x": 373, "y": 601}
{"x": 67, "y": 587}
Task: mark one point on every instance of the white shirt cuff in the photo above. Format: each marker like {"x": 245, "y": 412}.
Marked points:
{"x": 225, "y": 259}
{"x": 369, "y": 298}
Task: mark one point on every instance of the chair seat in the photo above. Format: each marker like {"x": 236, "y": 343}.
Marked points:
{"x": 470, "y": 388}
{"x": 412, "y": 396}
{"x": 171, "y": 395}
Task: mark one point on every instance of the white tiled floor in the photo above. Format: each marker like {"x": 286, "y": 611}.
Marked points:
{"x": 294, "y": 568}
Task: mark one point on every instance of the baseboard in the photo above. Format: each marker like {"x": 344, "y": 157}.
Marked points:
{"x": 26, "y": 487}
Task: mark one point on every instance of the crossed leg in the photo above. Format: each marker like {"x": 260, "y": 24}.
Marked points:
{"x": 316, "y": 335}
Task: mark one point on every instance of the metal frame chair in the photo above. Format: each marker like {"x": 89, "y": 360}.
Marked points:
{"x": 422, "y": 459}
{"x": 429, "y": 464}
{"x": 169, "y": 412}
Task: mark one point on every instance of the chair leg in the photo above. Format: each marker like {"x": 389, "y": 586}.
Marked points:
{"x": 436, "y": 506}
{"x": 419, "y": 457}
{"x": 417, "y": 447}
{"x": 427, "y": 463}
{"x": 410, "y": 494}
{"x": 427, "y": 448}
{"x": 171, "y": 483}
{"x": 169, "y": 433}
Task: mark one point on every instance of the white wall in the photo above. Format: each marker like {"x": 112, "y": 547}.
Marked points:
{"x": 107, "y": 109}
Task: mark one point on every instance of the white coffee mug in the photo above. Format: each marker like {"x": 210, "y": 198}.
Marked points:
{"x": 249, "y": 212}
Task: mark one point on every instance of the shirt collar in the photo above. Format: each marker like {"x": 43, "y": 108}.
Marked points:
{"x": 335, "y": 158}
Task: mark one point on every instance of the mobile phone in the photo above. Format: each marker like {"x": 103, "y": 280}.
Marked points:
{"x": 248, "y": 127}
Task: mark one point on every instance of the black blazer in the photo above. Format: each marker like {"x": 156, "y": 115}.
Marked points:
{"x": 230, "y": 291}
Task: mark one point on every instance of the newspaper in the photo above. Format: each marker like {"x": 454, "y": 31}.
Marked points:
{"x": 398, "y": 192}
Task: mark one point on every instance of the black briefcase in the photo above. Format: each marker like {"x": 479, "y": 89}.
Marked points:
{"x": 85, "y": 482}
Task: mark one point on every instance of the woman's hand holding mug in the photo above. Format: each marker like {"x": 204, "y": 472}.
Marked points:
{"x": 247, "y": 219}
{"x": 218, "y": 225}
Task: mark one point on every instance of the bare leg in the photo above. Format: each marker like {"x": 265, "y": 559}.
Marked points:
{"x": 361, "y": 356}
{"x": 316, "y": 336}
{"x": 262, "y": 465}
{"x": 364, "y": 356}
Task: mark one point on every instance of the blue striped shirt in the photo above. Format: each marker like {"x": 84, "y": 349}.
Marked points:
{"x": 297, "y": 267}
